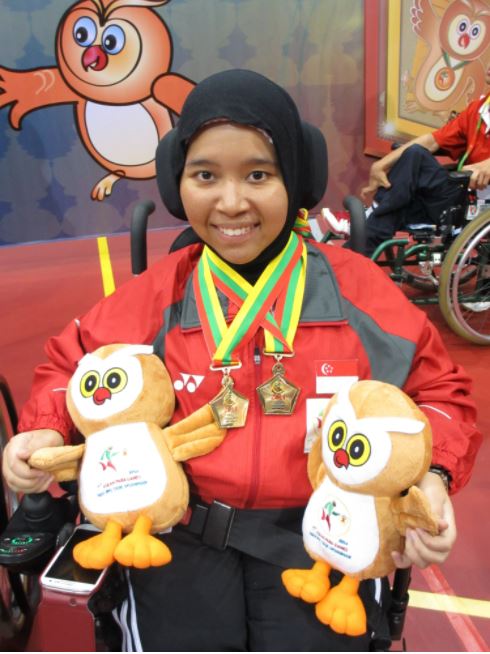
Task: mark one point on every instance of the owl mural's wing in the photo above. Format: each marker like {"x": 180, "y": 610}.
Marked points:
{"x": 413, "y": 511}
{"x": 425, "y": 23}
{"x": 196, "y": 435}
{"x": 63, "y": 461}
{"x": 32, "y": 89}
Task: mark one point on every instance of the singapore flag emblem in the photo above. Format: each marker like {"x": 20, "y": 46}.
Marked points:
{"x": 333, "y": 375}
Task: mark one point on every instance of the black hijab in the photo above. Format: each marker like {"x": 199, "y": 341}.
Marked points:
{"x": 247, "y": 98}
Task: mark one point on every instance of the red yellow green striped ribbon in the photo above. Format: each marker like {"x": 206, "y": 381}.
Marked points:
{"x": 281, "y": 283}
{"x": 301, "y": 224}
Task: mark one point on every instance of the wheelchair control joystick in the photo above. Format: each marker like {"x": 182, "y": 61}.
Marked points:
{"x": 30, "y": 538}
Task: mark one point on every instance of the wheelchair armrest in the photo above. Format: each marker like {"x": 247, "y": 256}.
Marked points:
{"x": 462, "y": 175}
{"x": 357, "y": 223}
{"x": 138, "y": 228}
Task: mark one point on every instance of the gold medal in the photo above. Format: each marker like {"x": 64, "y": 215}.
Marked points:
{"x": 273, "y": 304}
{"x": 229, "y": 407}
{"x": 278, "y": 396}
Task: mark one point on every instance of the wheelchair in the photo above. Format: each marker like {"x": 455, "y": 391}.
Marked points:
{"x": 55, "y": 519}
{"x": 16, "y": 589}
{"x": 447, "y": 264}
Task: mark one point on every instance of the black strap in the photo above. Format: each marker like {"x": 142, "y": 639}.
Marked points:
{"x": 272, "y": 535}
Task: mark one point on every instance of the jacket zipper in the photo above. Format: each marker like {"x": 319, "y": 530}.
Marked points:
{"x": 257, "y": 424}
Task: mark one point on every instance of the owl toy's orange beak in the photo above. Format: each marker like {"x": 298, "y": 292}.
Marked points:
{"x": 94, "y": 58}
{"x": 101, "y": 395}
{"x": 341, "y": 459}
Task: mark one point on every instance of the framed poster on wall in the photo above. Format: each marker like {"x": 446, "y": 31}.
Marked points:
{"x": 425, "y": 60}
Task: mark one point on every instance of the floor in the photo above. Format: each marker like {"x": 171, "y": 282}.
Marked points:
{"x": 43, "y": 286}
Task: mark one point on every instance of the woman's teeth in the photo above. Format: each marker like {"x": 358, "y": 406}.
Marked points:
{"x": 236, "y": 231}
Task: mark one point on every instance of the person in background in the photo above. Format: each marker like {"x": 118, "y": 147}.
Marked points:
{"x": 409, "y": 186}
{"x": 240, "y": 166}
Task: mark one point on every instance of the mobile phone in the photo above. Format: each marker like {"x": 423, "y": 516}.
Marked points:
{"x": 63, "y": 573}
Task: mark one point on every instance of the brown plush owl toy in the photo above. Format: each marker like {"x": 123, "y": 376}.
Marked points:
{"x": 130, "y": 479}
{"x": 375, "y": 444}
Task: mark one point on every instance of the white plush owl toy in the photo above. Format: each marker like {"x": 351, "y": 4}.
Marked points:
{"x": 375, "y": 444}
{"x": 130, "y": 479}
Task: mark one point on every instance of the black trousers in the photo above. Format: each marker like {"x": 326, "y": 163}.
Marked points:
{"x": 223, "y": 600}
{"x": 420, "y": 191}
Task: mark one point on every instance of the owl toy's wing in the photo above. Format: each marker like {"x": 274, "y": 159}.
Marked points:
{"x": 196, "y": 435}
{"x": 63, "y": 461}
{"x": 413, "y": 511}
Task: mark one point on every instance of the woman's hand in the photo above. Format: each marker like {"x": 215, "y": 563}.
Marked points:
{"x": 16, "y": 471}
{"x": 421, "y": 548}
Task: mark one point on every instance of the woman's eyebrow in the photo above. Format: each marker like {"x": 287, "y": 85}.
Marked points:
{"x": 253, "y": 161}
{"x": 199, "y": 162}
{"x": 261, "y": 161}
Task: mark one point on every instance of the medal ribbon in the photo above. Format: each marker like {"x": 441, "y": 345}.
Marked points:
{"x": 447, "y": 61}
{"x": 301, "y": 224}
{"x": 282, "y": 280}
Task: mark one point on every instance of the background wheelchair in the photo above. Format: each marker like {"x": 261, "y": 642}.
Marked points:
{"x": 446, "y": 264}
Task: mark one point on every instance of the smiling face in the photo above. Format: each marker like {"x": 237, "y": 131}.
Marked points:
{"x": 232, "y": 191}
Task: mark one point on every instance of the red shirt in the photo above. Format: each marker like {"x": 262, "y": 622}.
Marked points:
{"x": 459, "y": 134}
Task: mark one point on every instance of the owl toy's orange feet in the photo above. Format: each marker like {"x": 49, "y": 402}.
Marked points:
{"x": 342, "y": 609}
{"x": 309, "y": 585}
{"x": 98, "y": 552}
{"x": 140, "y": 549}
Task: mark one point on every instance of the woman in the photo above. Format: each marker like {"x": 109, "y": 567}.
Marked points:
{"x": 239, "y": 166}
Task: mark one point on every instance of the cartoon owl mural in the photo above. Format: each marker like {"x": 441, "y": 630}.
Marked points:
{"x": 113, "y": 61}
{"x": 452, "y": 70}
{"x": 130, "y": 478}
{"x": 375, "y": 444}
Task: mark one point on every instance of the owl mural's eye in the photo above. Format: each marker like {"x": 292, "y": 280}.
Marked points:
{"x": 115, "y": 380}
{"x": 89, "y": 383}
{"x": 336, "y": 435}
{"x": 475, "y": 31}
{"x": 359, "y": 450}
{"x": 462, "y": 26}
{"x": 85, "y": 31}
{"x": 113, "y": 39}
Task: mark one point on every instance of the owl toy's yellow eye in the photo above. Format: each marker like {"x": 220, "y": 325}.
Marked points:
{"x": 336, "y": 435}
{"x": 359, "y": 450}
{"x": 89, "y": 383}
{"x": 115, "y": 380}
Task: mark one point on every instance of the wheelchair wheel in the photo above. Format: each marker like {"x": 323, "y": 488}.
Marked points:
{"x": 464, "y": 292}
{"x": 15, "y": 589}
